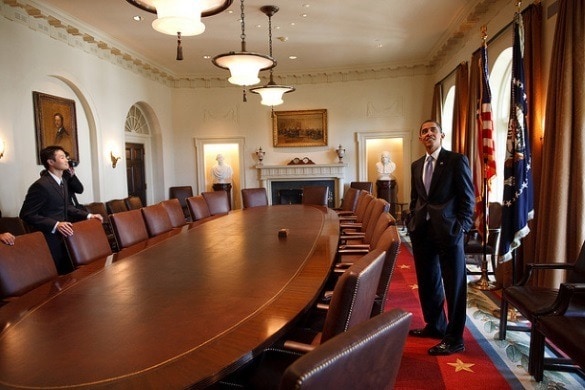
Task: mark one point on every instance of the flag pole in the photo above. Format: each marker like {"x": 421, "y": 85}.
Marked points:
{"x": 484, "y": 283}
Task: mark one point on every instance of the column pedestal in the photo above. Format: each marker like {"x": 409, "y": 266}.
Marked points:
{"x": 386, "y": 189}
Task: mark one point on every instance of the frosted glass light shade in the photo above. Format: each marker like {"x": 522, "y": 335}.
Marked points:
{"x": 244, "y": 66}
{"x": 174, "y": 16}
{"x": 272, "y": 94}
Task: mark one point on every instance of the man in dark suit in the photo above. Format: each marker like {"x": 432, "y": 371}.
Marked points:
{"x": 46, "y": 207}
{"x": 441, "y": 207}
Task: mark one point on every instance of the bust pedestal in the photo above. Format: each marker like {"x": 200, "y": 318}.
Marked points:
{"x": 227, "y": 187}
{"x": 386, "y": 189}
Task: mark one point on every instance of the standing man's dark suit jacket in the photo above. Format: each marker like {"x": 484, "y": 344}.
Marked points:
{"x": 45, "y": 205}
{"x": 450, "y": 201}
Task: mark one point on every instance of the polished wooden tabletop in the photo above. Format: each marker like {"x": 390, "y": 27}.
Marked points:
{"x": 183, "y": 312}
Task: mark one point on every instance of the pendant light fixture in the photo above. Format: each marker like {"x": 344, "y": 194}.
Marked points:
{"x": 181, "y": 17}
{"x": 244, "y": 66}
{"x": 271, "y": 93}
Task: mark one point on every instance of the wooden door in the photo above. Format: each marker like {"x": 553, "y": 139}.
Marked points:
{"x": 135, "y": 172}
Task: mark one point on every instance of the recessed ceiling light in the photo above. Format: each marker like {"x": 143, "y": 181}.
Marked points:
{"x": 206, "y": 57}
{"x": 293, "y": 24}
{"x": 304, "y": 15}
{"x": 306, "y": 5}
{"x": 292, "y": 57}
{"x": 137, "y": 18}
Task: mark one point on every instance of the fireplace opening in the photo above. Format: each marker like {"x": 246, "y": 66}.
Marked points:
{"x": 291, "y": 192}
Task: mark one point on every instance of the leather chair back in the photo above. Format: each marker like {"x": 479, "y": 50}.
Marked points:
{"x": 97, "y": 208}
{"x": 182, "y": 193}
{"x": 365, "y": 357}
{"x": 88, "y": 243}
{"x": 129, "y": 228}
{"x": 353, "y": 295}
{"x": 254, "y": 197}
{"x": 198, "y": 208}
{"x": 217, "y": 201}
{"x": 389, "y": 241}
{"x": 116, "y": 206}
{"x": 157, "y": 220}
{"x": 363, "y": 202}
{"x": 380, "y": 206}
{"x": 363, "y": 185}
{"x": 133, "y": 203}
{"x": 25, "y": 265}
{"x": 316, "y": 195}
{"x": 350, "y": 199}
{"x": 13, "y": 225}
{"x": 175, "y": 212}
{"x": 100, "y": 208}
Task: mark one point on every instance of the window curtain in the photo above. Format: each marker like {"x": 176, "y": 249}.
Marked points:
{"x": 460, "y": 109}
{"x": 561, "y": 230}
{"x": 535, "y": 95}
{"x": 472, "y": 140}
{"x": 437, "y": 108}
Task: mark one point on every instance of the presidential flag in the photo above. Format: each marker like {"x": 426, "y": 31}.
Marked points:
{"x": 518, "y": 204}
{"x": 485, "y": 161}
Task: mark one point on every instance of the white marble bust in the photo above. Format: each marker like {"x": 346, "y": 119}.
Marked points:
{"x": 385, "y": 167}
{"x": 222, "y": 172}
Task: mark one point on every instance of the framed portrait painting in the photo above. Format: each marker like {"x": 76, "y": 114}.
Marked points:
{"x": 55, "y": 124}
{"x": 299, "y": 128}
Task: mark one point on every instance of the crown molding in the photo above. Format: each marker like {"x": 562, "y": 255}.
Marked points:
{"x": 81, "y": 37}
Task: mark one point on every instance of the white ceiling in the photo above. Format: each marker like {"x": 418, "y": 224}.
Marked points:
{"x": 325, "y": 35}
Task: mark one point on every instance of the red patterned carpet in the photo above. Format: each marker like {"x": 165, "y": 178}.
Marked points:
{"x": 472, "y": 369}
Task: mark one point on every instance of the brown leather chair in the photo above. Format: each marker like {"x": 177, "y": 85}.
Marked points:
{"x": 351, "y": 304}
{"x": 198, "y": 208}
{"x": 364, "y": 200}
{"x": 533, "y": 301}
{"x": 100, "y": 208}
{"x": 182, "y": 193}
{"x": 363, "y": 231}
{"x": 565, "y": 332}
{"x": 88, "y": 243}
{"x": 116, "y": 206}
{"x": 365, "y": 357}
{"x": 157, "y": 220}
{"x": 25, "y": 265}
{"x": 217, "y": 201}
{"x": 349, "y": 201}
{"x": 13, "y": 225}
{"x": 133, "y": 203}
{"x": 363, "y": 185}
{"x": 175, "y": 212}
{"x": 316, "y": 195}
{"x": 254, "y": 197}
{"x": 474, "y": 249}
{"x": 129, "y": 228}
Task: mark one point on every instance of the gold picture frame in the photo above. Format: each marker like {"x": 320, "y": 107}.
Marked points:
{"x": 46, "y": 108}
{"x": 299, "y": 128}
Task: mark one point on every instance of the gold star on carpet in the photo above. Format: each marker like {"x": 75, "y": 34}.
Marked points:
{"x": 404, "y": 266}
{"x": 413, "y": 286}
{"x": 460, "y": 366}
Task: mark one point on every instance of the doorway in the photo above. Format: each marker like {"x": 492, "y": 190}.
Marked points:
{"x": 135, "y": 172}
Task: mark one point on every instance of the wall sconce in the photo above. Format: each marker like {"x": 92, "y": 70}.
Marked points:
{"x": 114, "y": 159}
{"x": 1, "y": 148}
{"x": 340, "y": 153}
{"x": 260, "y": 153}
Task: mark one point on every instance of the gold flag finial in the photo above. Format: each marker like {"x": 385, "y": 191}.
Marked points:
{"x": 518, "y": 4}
{"x": 484, "y": 32}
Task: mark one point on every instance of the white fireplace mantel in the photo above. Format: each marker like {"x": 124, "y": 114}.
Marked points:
{"x": 270, "y": 173}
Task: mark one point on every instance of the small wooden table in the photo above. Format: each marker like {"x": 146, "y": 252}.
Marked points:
{"x": 184, "y": 312}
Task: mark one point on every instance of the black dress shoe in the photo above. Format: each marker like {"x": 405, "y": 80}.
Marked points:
{"x": 426, "y": 333}
{"x": 446, "y": 348}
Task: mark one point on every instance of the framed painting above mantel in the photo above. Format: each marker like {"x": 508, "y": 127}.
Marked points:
{"x": 299, "y": 128}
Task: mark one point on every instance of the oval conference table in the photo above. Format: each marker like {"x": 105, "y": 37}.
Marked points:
{"x": 182, "y": 313}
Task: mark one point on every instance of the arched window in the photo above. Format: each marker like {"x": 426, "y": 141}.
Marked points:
{"x": 447, "y": 115}
{"x": 500, "y": 85}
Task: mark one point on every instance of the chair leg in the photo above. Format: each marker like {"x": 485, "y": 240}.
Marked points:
{"x": 503, "y": 318}
{"x": 532, "y": 350}
{"x": 537, "y": 351}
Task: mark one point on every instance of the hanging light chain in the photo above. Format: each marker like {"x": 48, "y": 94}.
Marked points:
{"x": 243, "y": 25}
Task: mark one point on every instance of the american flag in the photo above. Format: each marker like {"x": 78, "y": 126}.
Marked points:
{"x": 518, "y": 205}
{"x": 485, "y": 162}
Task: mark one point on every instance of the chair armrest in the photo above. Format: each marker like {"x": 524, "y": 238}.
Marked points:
{"x": 567, "y": 292}
{"x": 350, "y": 225}
{"x": 322, "y": 306}
{"x": 531, "y": 267}
{"x": 353, "y": 251}
{"x": 296, "y": 346}
{"x": 354, "y": 246}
